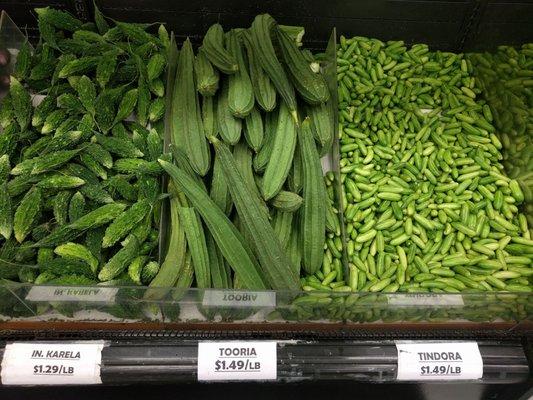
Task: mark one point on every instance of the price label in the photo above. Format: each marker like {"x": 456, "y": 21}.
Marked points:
{"x": 424, "y": 361}
{"x": 237, "y": 361}
{"x": 238, "y": 298}
{"x": 58, "y": 293}
{"x": 52, "y": 363}
{"x": 425, "y": 299}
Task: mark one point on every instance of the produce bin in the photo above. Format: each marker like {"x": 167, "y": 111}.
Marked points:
{"x": 126, "y": 316}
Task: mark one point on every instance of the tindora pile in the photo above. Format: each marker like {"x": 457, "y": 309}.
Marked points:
{"x": 428, "y": 205}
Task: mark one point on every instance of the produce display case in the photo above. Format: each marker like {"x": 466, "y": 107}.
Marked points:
{"x": 308, "y": 328}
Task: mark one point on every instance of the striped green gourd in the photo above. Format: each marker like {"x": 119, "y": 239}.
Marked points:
{"x": 207, "y": 77}
{"x": 213, "y": 48}
{"x": 197, "y": 246}
{"x": 173, "y": 263}
{"x": 313, "y": 212}
{"x": 264, "y": 90}
{"x": 267, "y": 248}
{"x": 282, "y": 154}
{"x": 323, "y": 125}
{"x": 228, "y": 239}
{"x": 311, "y": 86}
{"x": 229, "y": 126}
{"x": 261, "y": 31}
{"x": 269, "y": 134}
{"x": 253, "y": 129}
{"x": 240, "y": 92}
{"x": 187, "y": 124}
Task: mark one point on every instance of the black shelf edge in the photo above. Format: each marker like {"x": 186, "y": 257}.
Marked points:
{"x": 175, "y": 361}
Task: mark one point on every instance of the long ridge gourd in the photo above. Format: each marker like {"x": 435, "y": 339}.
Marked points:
{"x": 194, "y": 233}
{"x": 229, "y": 126}
{"x": 243, "y": 159}
{"x": 280, "y": 162}
{"x": 188, "y": 129}
{"x": 220, "y": 278}
{"x": 213, "y": 48}
{"x": 207, "y": 77}
{"x": 313, "y": 211}
{"x": 240, "y": 92}
{"x": 183, "y": 163}
{"x": 264, "y": 90}
{"x": 269, "y": 133}
{"x": 311, "y": 86}
{"x": 219, "y": 189}
{"x": 282, "y": 223}
{"x": 253, "y": 129}
{"x": 323, "y": 124}
{"x": 295, "y": 178}
{"x": 272, "y": 258}
{"x": 294, "y": 249}
{"x": 173, "y": 264}
{"x": 228, "y": 239}
{"x": 185, "y": 277}
{"x": 262, "y": 42}
{"x": 209, "y": 116}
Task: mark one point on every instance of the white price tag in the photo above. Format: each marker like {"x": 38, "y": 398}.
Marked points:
{"x": 425, "y": 299}
{"x": 237, "y": 361}
{"x": 424, "y": 361}
{"x": 58, "y": 293}
{"x": 238, "y": 298}
{"x": 52, "y": 363}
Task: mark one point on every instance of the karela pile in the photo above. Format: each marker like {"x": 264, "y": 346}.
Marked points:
{"x": 80, "y": 198}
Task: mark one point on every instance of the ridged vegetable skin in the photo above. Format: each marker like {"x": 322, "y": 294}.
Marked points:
{"x": 228, "y": 239}
{"x": 311, "y": 86}
{"x": 272, "y": 258}
{"x": 282, "y": 154}
{"x": 187, "y": 123}
{"x": 313, "y": 214}
{"x": 261, "y": 31}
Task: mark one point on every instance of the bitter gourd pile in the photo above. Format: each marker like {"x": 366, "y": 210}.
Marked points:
{"x": 80, "y": 197}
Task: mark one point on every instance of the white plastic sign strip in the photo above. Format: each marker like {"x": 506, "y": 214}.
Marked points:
{"x": 238, "y": 298}
{"x": 237, "y": 361}
{"x": 446, "y": 361}
{"x": 82, "y": 294}
{"x": 72, "y": 363}
{"x": 425, "y": 299}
